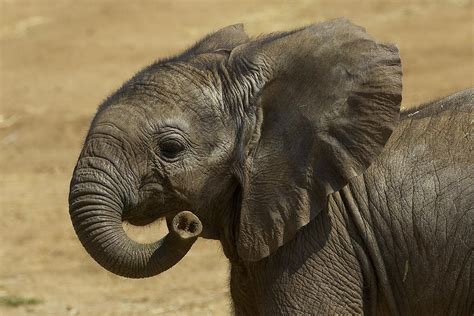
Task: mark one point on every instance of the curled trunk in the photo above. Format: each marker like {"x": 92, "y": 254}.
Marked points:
{"x": 96, "y": 214}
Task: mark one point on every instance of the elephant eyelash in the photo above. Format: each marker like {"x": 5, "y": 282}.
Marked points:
{"x": 171, "y": 149}
{"x": 170, "y": 145}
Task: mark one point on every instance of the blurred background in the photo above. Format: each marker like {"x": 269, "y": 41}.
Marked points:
{"x": 60, "y": 59}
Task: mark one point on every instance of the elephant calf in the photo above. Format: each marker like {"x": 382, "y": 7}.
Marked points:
{"x": 291, "y": 150}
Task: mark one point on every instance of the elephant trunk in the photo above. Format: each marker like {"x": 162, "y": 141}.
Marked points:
{"x": 96, "y": 213}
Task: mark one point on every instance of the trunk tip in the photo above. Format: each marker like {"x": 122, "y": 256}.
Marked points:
{"x": 186, "y": 225}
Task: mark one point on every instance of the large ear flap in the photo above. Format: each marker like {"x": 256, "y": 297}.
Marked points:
{"x": 224, "y": 39}
{"x": 325, "y": 100}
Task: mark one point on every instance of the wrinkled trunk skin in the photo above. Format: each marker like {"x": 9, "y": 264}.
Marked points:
{"x": 96, "y": 211}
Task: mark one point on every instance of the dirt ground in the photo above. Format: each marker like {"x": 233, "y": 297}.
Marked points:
{"x": 60, "y": 58}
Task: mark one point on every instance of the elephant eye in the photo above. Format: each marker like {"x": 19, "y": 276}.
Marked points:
{"x": 170, "y": 148}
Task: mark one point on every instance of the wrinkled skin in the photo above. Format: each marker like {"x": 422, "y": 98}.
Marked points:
{"x": 290, "y": 150}
{"x": 397, "y": 240}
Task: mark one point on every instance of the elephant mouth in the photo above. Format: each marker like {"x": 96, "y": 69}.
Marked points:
{"x": 140, "y": 220}
{"x": 145, "y": 213}
{"x": 143, "y": 219}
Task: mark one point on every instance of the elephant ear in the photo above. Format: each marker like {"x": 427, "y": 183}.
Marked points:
{"x": 325, "y": 99}
{"x": 224, "y": 39}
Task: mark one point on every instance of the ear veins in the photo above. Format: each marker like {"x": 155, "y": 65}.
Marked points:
{"x": 246, "y": 83}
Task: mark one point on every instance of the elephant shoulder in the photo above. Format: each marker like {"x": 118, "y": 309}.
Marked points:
{"x": 427, "y": 166}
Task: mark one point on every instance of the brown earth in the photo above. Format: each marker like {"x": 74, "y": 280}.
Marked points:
{"x": 59, "y": 59}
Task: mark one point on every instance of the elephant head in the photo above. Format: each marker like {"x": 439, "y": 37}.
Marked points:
{"x": 248, "y": 135}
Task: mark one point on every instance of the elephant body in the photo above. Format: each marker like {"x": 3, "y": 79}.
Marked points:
{"x": 396, "y": 240}
{"x": 291, "y": 150}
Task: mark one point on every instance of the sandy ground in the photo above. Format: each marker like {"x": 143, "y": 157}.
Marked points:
{"x": 59, "y": 59}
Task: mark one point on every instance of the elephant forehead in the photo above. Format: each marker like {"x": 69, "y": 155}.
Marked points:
{"x": 179, "y": 85}
{"x": 183, "y": 94}
{"x": 118, "y": 123}
{"x": 177, "y": 96}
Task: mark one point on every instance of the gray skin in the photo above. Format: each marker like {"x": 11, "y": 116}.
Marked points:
{"x": 289, "y": 149}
